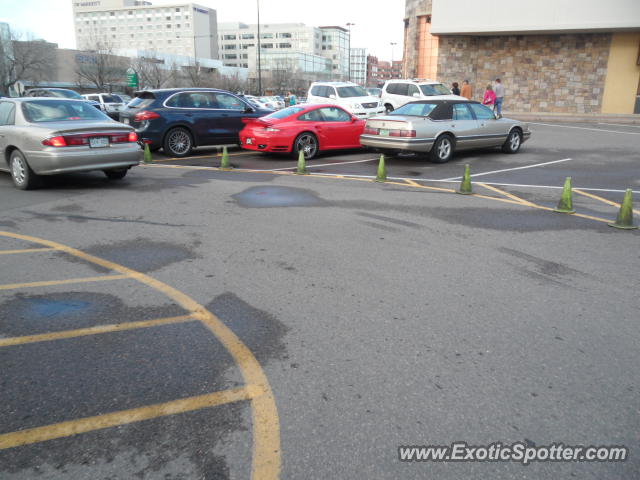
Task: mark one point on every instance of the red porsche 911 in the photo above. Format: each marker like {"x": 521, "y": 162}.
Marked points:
{"x": 307, "y": 128}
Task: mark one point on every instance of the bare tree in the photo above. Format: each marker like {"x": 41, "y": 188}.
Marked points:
{"x": 29, "y": 59}
{"x": 153, "y": 72}
{"x": 100, "y": 66}
{"x": 197, "y": 75}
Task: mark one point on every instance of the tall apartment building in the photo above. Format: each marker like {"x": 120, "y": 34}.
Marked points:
{"x": 186, "y": 29}
{"x": 359, "y": 66}
{"x": 238, "y": 46}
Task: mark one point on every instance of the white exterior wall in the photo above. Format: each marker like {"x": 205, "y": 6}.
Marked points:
{"x": 539, "y": 16}
{"x": 302, "y": 39}
{"x": 179, "y": 29}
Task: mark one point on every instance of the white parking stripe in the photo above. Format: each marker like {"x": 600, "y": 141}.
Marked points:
{"x": 511, "y": 169}
{"x": 619, "y": 125}
{"x": 584, "y": 128}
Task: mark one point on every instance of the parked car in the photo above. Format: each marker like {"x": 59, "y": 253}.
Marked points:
{"x": 261, "y": 102}
{"x": 111, "y": 104}
{"x": 277, "y": 102}
{"x": 49, "y": 136}
{"x": 61, "y": 93}
{"x": 439, "y": 127}
{"x": 123, "y": 97}
{"x": 348, "y": 95}
{"x": 310, "y": 128}
{"x": 179, "y": 119}
{"x": 396, "y": 93}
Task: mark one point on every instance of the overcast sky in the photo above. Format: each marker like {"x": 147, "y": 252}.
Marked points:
{"x": 377, "y": 24}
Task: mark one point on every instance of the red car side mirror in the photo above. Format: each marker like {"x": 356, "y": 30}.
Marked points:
{"x": 354, "y": 119}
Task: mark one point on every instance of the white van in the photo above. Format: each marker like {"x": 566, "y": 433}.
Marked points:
{"x": 350, "y": 96}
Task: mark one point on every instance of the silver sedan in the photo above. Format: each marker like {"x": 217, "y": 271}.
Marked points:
{"x": 48, "y": 136}
{"x": 438, "y": 127}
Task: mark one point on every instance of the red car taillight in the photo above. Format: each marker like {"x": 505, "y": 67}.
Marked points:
{"x": 54, "y": 142}
{"x": 370, "y": 131}
{"x": 145, "y": 115}
{"x": 133, "y": 137}
{"x": 402, "y": 133}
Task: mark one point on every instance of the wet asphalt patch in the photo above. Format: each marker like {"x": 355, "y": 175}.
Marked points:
{"x": 49, "y": 382}
{"x": 260, "y": 331}
{"x": 141, "y": 254}
{"x": 25, "y": 314}
{"x": 271, "y": 196}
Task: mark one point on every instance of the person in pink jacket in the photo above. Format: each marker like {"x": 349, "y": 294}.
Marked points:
{"x": 489, "y": 96}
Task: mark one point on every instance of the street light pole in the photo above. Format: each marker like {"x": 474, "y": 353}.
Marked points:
{"x": 349, "y": 27}
{"x": 259, "y": 60}
{"x": 393, "y": 44}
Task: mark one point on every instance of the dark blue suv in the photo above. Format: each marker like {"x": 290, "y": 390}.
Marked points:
{"x": 178, "y": 119}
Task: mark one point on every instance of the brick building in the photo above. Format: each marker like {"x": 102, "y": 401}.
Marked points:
{"x": 569, "y": 56}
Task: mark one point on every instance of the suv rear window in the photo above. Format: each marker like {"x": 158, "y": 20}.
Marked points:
{"x": 60, "y": 111}
{"x": 434, "y": 89}
{"x": 142, "y": 100}
{"x": 110, "y": 99}
{"x": 65, "y": 94}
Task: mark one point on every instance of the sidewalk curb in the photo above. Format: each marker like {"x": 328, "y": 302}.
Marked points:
{"x": 633, "y": 119}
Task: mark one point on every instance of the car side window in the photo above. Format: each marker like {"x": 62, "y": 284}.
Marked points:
{"x": 331, "y": 91}
{"x": 391, "y": 88}
{"x": 317, "y": 91}
{"x": 334, "y": 114}
{"x": 461, "y": 112}
{"x": 312, "y": 116}
{"x": 412, "y": 89}
{"x": 7, "y": 113}
{"x": 180, "y": 100}
{"x": 482, "y": 112}
{"x": 227, "y": 102}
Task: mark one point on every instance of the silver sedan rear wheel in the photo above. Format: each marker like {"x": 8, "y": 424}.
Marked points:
{"x": 442, "y": 150}
{"x": 21, "y": 174}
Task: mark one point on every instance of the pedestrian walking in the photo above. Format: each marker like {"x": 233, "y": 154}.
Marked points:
{"x": 454, "y": 88}
{"x": 466, "y": 91}
{"x": 489, "y": 96}
{"x": 499, "y": 91}
{"x": 292, "y": 99}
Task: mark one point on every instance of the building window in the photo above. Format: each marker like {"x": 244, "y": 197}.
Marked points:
{"x": 284, "y": 35}
{"x": 177, "y": 9}
{"x": 266, "y": 35}
{"x": 266, "y": 45}
{"x": 247, "y": 36}
{"x": 229, "y": 37}
{"x": 229, "y": 47}
{"x": 284, "y": 45}
{"x": 230, "y": 56}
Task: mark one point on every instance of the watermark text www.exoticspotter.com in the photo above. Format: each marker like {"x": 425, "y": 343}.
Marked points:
{"x": 515, "y": 452}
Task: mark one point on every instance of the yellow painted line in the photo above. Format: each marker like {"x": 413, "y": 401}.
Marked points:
{"x": 604, "y": 200}
{"x": 25, "y": 250}
{"x": 203, "y": 157}
{"x": 426, "y": 187}
{"x": 103, "y": 278}
{"x": 98, "y": 329}
{"x": 506, "y": 194}
{"x": 123, "y": 417}
{"x": 504, "y": 200}
{"x": 412, "y": 183}
{"x": 266, "y": 425}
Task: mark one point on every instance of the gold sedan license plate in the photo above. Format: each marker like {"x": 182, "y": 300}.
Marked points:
{"x": 98, "y": 142}
{"x": 384, "y": 132}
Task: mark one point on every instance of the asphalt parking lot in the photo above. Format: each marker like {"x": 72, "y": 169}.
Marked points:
{"x": 192, "y": 323}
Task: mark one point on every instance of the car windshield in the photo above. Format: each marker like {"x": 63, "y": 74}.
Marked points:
{"x": 415, "y": 109}
{"x": 352, "y": 91}
{"x": 374, "y": 91}
{"x": 60, "y": 110}
{"x": 66, "y": 94}
{"x": 264, "y": 99}
{"x": 434, "y": 89}
{"x": 285, "y": 112}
